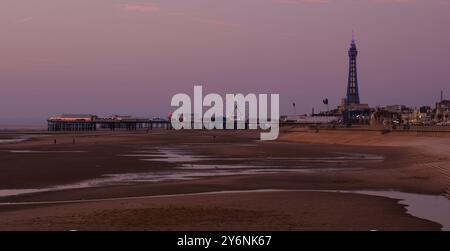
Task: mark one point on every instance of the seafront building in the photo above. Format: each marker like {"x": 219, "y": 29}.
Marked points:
{"x": 442, "y": 114}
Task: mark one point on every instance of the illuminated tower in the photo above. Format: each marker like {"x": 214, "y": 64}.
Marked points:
{"x": 352, "y": 87}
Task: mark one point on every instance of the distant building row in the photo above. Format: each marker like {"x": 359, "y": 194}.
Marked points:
{"x": 425, "y": 115}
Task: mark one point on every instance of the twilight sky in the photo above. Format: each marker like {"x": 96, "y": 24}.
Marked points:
{"x": 129, "y": 57}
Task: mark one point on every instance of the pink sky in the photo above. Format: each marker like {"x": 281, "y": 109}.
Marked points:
{"x": 130, "y": 57}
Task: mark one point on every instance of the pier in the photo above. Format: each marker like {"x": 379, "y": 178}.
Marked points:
{"x": 87, "y": 122}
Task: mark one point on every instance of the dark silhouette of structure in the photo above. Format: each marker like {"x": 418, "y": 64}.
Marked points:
{"x": 351, "y": 108}
{"x": 352, "y": 87}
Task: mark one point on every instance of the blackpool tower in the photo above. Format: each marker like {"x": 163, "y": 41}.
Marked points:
{"x": 352, "y": 87}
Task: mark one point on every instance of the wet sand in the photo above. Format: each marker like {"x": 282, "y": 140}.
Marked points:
{"x": 39, "y": 163}
{"x": 264, "y": 211}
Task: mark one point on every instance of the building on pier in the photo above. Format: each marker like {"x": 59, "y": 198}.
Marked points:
{"x": 72, "y": 122}
{"x": 88, "y": 122}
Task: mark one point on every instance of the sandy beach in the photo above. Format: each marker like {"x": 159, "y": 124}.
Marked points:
{"x": 161, "y": 180}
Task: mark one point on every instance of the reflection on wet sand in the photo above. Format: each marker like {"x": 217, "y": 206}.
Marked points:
{"x": 430, "y": 207}
{"x": 17, "y": 138}
{"x": 190, "y": 167}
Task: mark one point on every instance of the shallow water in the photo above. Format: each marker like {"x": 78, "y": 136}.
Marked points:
{"x": 13, "y": 140}
{"x": 434, "y": 208}
{"x": 167, "y": 155}
{"x": 193, "y": 162}
{"x": 18, "y": 138}
{"x": 31, "y": 151}
{"x": 176, "y": 156}
{"x": 12, "y": 192}
{"x": 429, "y": 207}
{"x": 10, "y": 141}
{"x": 189, "y": 168}
{"x": 144, "y": 177}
